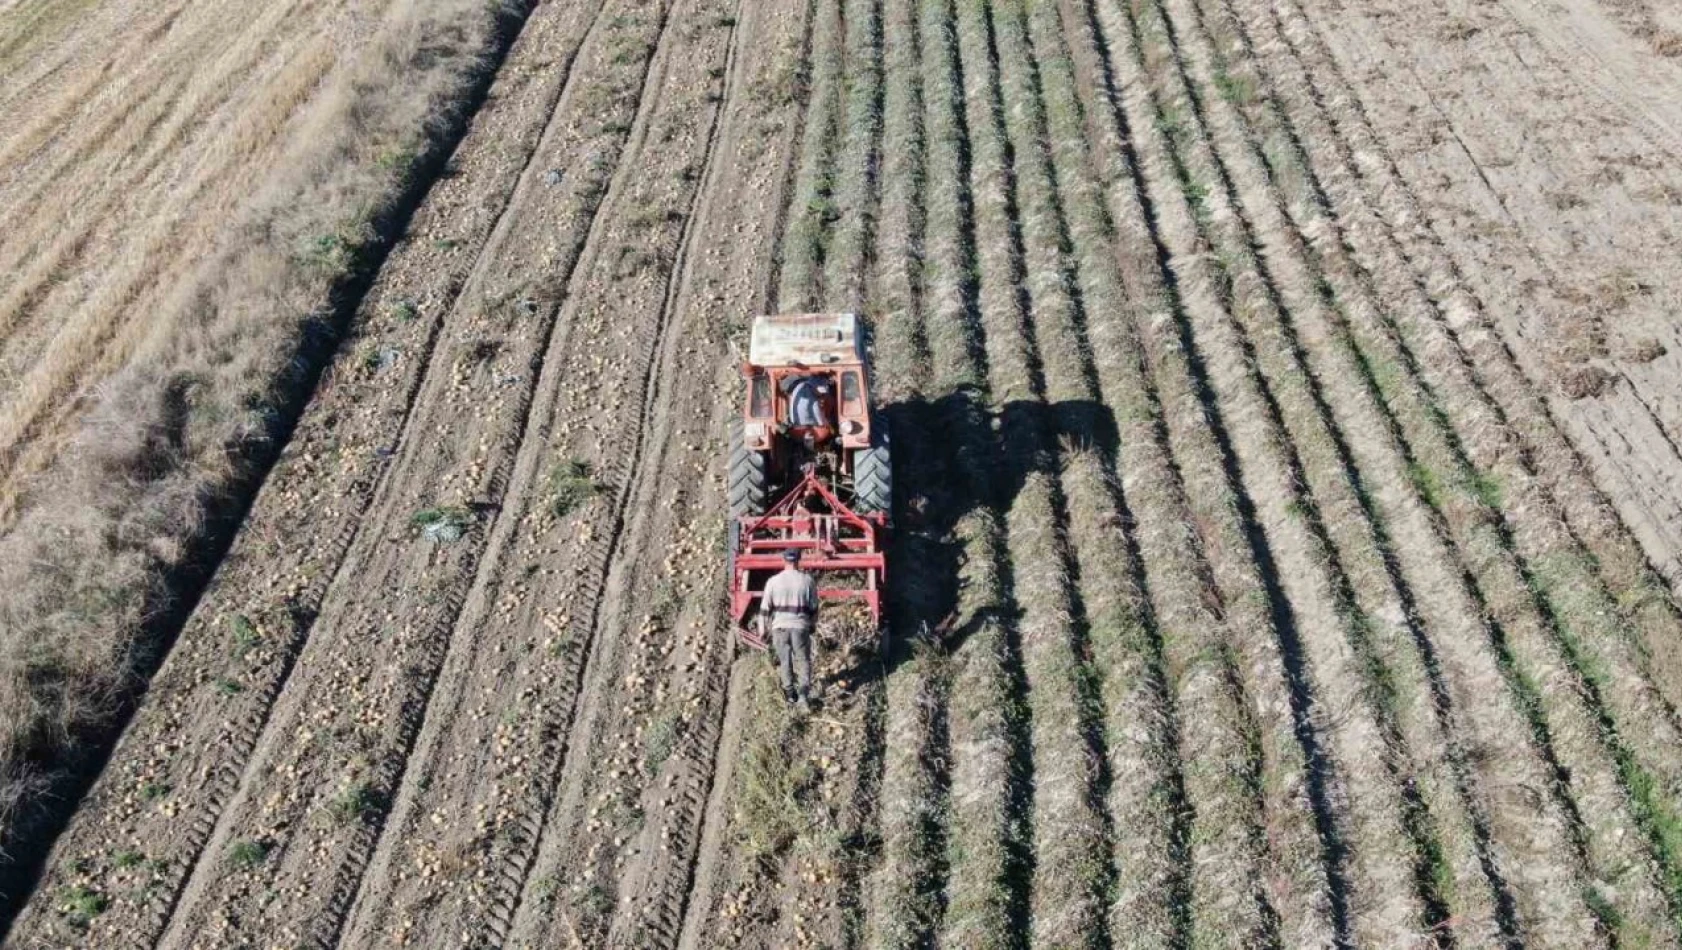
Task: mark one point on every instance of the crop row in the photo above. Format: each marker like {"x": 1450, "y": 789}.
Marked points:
{"x": 1179, "y": 312}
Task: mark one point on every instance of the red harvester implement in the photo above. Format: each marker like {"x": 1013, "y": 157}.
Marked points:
{"x": 809, "y": 467}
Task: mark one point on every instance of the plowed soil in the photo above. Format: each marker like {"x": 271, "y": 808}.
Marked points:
{"x": 1286, "y": 410}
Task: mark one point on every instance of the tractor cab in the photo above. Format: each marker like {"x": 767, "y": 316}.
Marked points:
{"x": 807, "y": 378}
{"x": 809, "y": 465}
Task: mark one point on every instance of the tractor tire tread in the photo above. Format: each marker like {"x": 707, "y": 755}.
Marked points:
{"x": 747, "y": 477}
{"x": 873, "y": 475}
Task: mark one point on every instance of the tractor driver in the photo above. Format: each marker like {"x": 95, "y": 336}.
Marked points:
{"x": 806, "y": 395}
{"x": 791, "y": 600}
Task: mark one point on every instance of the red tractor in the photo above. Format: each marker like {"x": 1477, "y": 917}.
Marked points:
{"x": 809, "y": 466}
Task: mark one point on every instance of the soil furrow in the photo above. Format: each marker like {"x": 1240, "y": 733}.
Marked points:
{"x": 850, "y": 285}
{"x": 766, "y": 144}
{"x": 1145, "y": 795}
{"x": 1296, "y": 465}
{"x": 1569, "y": 306}
{"x": 801, "y": 246}
{"x": 1359, "y": 534}
{"x": 341, "y": 738}
{"x": 1327, "y": 454}
{"x": 1310, "y": 893}
{"x": 990, "y": 856}
{"x": 920, "y": 241}
{"x": 889, "y": 869}
{"x": 1557, "y": 566}
{"x": 1073, "y": 831}
{"x": 1162, "y": 461}
{"x": 1481, "y": 352}
{"x": 764, "y": 54}
{"x": 181, "y": 759}
{"x": 519, "y": 754}
{"x": 1560, "y": 731}
{"x": 857, "y": 172}
{"x": 1604, "y": 629}
{"x": 1611, "y": 856}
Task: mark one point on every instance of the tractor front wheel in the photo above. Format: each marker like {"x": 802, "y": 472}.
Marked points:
{"x": 873, "y": 474}
{"x": 748, "y": 477}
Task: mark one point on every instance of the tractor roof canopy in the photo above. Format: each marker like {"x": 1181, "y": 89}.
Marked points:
{"x": 813, "y": 339}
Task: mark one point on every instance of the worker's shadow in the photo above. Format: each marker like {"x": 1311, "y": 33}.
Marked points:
{"x": 958, "y": 468}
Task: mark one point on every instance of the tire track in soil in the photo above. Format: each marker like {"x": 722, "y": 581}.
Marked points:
{"x": 497, "y": 757}
{"x": 393, "y": 687}
{"x": 823, "y": 759}
{"x": 716, "y": 846}
{"x": 652, "y": 892}
{"x": 182, "y": 757}
{"x": 655, "y": 893}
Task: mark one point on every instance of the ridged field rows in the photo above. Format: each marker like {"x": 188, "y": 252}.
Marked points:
{"x": 922, "y": 280}
{"x": 853, "y": 203}
{"x": 1196, "y": 871}
{"x": 989, "y": 843}
{"x": 1145, "y": 794}
{"x": 172, "y": 188}
{"x": 811, "y": 209}
{"x": 1609, "y": 615}
{"x": 1331, "y": 565}
{"x": 901, "y": 897}
{"x": 1308, "y": 888}
{"x": 857, "y": 696}
{"x": 1637, "y": 911}
{"x": 1073, "y": 829}
{"x": 1448, "y": 845}
{"x": 1244, "y": 590}
{"x": 1570, "y": 602}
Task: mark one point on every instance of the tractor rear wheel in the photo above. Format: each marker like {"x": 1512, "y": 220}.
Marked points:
{"x": 748, "y": 477}
{"x": 873, "y": 473}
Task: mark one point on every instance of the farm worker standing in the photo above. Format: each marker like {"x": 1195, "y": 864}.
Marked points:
{"x": 791, "y": 600}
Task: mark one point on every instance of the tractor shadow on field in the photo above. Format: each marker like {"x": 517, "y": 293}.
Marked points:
{"x": 954, "y": 457}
